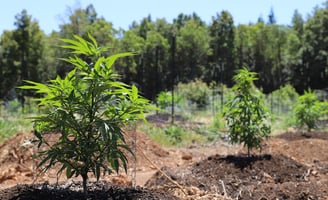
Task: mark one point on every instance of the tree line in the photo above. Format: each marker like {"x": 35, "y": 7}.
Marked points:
{"x": 169, "y": 53}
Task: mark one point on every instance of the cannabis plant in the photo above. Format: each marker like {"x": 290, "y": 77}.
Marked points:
{"x": 246, "y": 116}
{"x": 308, "y": 109}
{"x": 89, "y": 108}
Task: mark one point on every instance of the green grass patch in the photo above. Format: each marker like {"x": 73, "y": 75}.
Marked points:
{"x": 172, "y": 135}
{"x": 281, "y": 123}
{"x": 12, "y": 124}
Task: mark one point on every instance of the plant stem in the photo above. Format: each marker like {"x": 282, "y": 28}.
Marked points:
{"x": 84, "y": 183}
{"x": 249, "y": 152}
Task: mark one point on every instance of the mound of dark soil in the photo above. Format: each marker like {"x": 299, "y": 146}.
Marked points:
{"x": 73, "y": 191}
{"x": 241, "y": 177}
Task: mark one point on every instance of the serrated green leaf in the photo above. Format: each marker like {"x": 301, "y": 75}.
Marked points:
{"x": 94, "y": 42}
{"x": 110, "y": 60}
{"x": 98, "y": 63}
{"x": 69, "y": 171}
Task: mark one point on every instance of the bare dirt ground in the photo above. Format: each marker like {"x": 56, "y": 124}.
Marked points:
{"x": 291, "y": 166}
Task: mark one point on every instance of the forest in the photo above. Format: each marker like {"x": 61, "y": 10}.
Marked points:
{"x": 166, "y": 54}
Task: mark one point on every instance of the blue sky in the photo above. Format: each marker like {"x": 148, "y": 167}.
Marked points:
{"x": 51, "y": 13}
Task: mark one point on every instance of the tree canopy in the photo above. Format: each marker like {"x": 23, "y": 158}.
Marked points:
{"x": 279, "y": 54}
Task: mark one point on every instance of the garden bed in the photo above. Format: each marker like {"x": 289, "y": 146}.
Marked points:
{"x": 291, "y": 166}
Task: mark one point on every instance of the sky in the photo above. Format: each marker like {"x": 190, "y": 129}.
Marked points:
{"x": 121, "y": 13}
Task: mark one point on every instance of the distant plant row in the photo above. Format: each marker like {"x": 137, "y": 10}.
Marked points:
{"x": 197, "y": 95}
{"x": 246, "y": 109}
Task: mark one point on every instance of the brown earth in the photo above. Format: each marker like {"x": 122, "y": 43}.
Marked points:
{"x": 291, "y": 166}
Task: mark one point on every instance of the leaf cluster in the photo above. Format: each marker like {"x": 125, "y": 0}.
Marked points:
{"x": 283, "y": 99}
{"x": 196, "y": 92}
{"x": 164, "y": 99}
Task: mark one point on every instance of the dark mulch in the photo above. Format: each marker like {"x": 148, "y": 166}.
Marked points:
{"x": 242, "y": 177}
{"x": 96, "y": 191}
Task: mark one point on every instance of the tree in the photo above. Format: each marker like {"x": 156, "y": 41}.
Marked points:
{"x": 222, "y": 32}
{"x": 89, "y": 109}
{"x": 245, "y": 113}
{"x": 272, "y": 18}
{"x": 21, "y": 52}
{"x": 268, "y": 44}
{"x": 259, "y": 41}
{"x": 48, "y": 61}
{"x": 315, "y": 53}
{"x": 22, "y": 23}
{"x": 29, "y": 38}
{"x": 294, "y": 60}
{"x": 298, "y": 23}
{"x": 83, "y": 22}
{"x": 192, "y": 48}
{"x": 294, "y": 54}
{"x": 36, "y": 52}
{"x": 182, "y": 20}
{"x": 155, "y": 62}
{"x": 277, "y": 72}
{"x": 144, "y": 27}
{"x": 9, "y": 64}
{"x": 128, "y": 66}
{"x": 243, "y": 46}
{"x": 150, "y": 67}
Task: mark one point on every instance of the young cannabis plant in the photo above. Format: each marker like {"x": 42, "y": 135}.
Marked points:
{"x": 245, "y": 113}
{"x": 308, "y": 109}
{"x": 89, "y": 109}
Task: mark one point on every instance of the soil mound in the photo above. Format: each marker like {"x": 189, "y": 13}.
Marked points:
{"x": 73, "y": 191}
{"x": 241, "y": 177}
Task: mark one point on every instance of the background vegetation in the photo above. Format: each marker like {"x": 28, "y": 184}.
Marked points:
{"x": 179, "y": 52}
{"x": 196, "y": 59}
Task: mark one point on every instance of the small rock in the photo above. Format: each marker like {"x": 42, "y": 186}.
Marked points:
{"x": 314, "y": 173}
{"x": 195, "y": 191}
{"x": 267, "y": 178}
{"x": 187, "y": 157}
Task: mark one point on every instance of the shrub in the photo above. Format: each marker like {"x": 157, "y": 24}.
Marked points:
{"x": 218, "y": 122}
{"x": 13, "y": 106}
{"x": 282, "y": 100}
{"x": 245, "y": 113}
{"x": 174, "y": 133}
{"x": 164, "y": 99}
{"x": 89, "y": 109}
{"x": 197, "y": 92}
{"x": 308, "y": 109}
